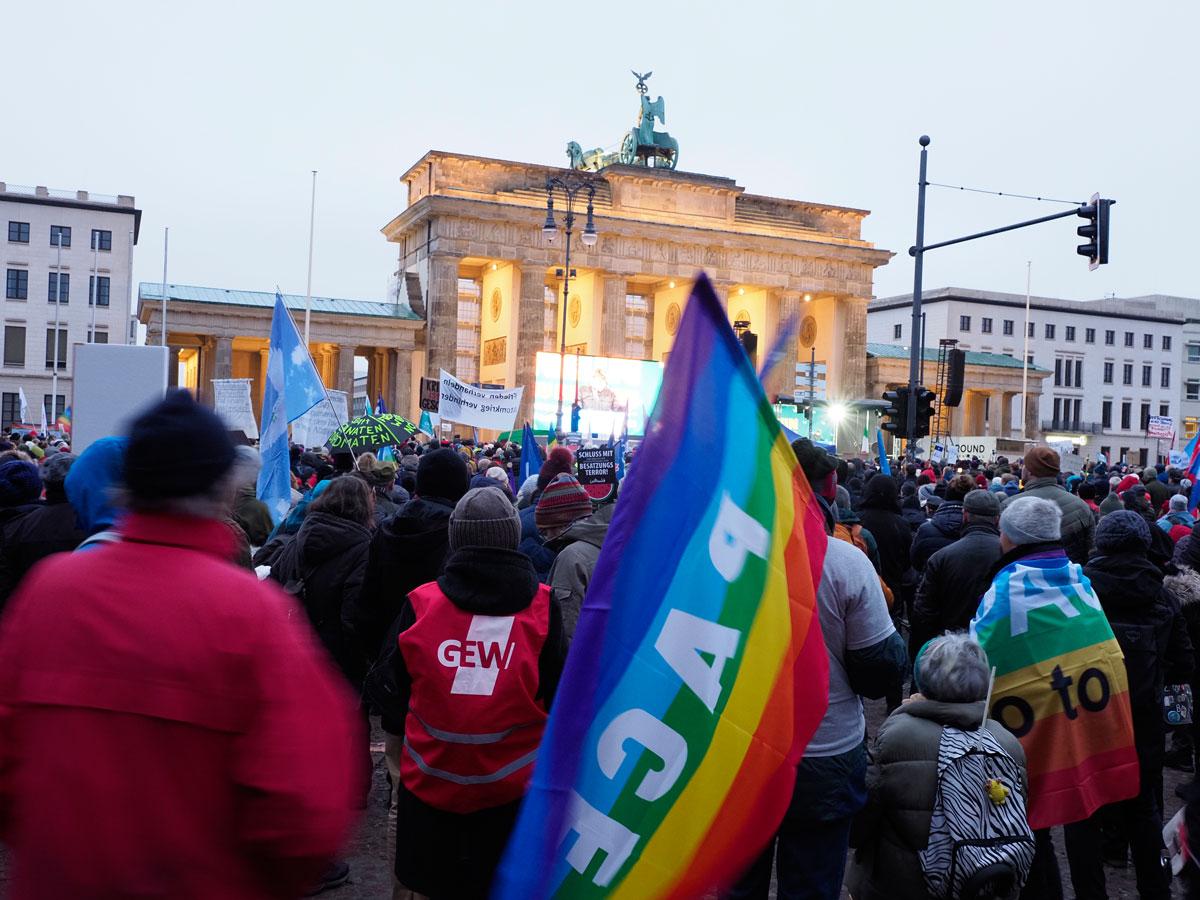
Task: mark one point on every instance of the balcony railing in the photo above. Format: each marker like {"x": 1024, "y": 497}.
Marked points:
{"x": 1073, "y": 426}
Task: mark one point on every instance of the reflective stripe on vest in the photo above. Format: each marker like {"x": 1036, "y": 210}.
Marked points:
{"x": 455, "y": 738}
{"x": 490, "y": 778}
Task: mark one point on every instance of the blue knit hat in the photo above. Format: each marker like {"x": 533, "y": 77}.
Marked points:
{"x": 20, "y": 482}
{"x": 1122, "y": 531}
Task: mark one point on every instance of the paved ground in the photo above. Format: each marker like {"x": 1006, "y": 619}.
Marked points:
{"x": 370, "y": 857}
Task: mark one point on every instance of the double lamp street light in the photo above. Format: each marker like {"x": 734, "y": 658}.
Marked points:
{"x": 571, "y": 184}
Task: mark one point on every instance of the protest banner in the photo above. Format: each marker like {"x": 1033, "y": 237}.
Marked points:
{"x": 1160, "y": 427}
{"x": 314, "y": 427}
{"x": 430, "y": 396}
{"x": 231, "y": 401}
{"x": 479, "y": 407}
{"x": 596, "y": 465}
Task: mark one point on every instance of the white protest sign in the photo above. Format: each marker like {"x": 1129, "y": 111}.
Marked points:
{"x": 112, "y": 384}
{"x": 1160, "y": 427}
{"x": 494, "y": 408}
{"x": 314, "y": 427}
{"x": 231, "y": 401}
{"x": 982, "y": 446}
{"x": 1070, "y": 462}
{"x": 1177, "y": 459}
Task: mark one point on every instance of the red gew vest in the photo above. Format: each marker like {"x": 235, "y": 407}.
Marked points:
{"x": 474, "y": 721}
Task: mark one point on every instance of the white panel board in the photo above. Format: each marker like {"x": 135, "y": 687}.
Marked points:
{"x": 112, "y": 383}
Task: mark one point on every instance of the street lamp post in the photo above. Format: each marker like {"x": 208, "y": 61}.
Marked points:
{"x": 570, "y": 184}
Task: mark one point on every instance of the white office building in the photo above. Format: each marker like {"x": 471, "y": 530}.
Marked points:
{"x": 1116, "y": 362}
{"x": 68, "y": 264}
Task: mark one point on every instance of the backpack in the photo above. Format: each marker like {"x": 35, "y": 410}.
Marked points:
{"x": 853, "y": 535}
{"x": 980, "y": 843}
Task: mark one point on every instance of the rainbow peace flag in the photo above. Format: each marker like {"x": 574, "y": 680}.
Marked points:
{"x": 698, "y": 673}
{"x": 1061, "y": 687}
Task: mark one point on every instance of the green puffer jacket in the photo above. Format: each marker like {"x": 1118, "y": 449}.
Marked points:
{"x": 901, "y": 787}
{"x": 1078, "y": 523}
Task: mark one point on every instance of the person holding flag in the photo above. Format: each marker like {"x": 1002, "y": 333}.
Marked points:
{"x": 292, "y": 388}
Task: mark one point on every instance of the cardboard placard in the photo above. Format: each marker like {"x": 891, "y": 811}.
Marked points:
{"x": 431, "y": 393}
{"x": 597, "y": 465}
{"x": 231, "y": 401}
{"x": 314, "y": 427}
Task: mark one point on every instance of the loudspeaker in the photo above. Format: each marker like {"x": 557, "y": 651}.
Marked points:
{"x": 956, "y": 361}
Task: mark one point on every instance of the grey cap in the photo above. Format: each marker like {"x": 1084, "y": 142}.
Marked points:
{"x": 1031, "y": 520}
{"x": 982, "y": 503}
{"x": 485, "y": 517}
{"x": 55, "y": 469}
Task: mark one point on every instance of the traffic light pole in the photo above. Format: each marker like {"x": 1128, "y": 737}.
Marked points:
{"x": 916, "y": 338}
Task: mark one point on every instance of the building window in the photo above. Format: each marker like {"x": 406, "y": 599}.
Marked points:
{"x": 1029, "y": 359}
{"x": 14, "y": 346}
{"x": 1089, "y": 335}
{"x": 1008, "y": 327}
{"x": 99, "y": 337}
{"x": 17, "y": 285}
{"x": 1193, "y": 353}
{"x": 101, "y": 239}
{"x": 1110, "y": 338}
{"x": 1165, "y": 377}
{"x": 10, "y": 410}
{"x": 1056, "y": 420}
{"x": 466, "y": 353}
{"x": 985, "y": 325}
{"x": 98, "y": 288}
{"x": 18, "y": 233}
{"x": 60, "y": 407}
{"x": 1147, "y": 342}
{"x": 1108, "y": 373}
{"x": 1124, "y": 453}
{"x": 1049, "y": 331}
{"x": 1145, "y": 416}
{"x": 1127, "y": 373}
{"x": 1191, "y": 424}
{"x": 964, "y": 323}
{"x": 1129, "y": 339}
{"x": 1031, "y": 327}
{"x": 60, "y": 236}
{"x": 639, "y": 326}
{"x": 1078, "y": 406}
{"x": 1126, "y": 415}
{"x": 1166, "y": 342}
{"x": 1058, "y": 374}
{"x": 1106, "y": 414}
{"x": 1164, "y": 409}
{"x": 62, "y": 348}
{"x": 1070, "y": 333}
{"x": 1079, "y": 373}
{"x": 897, "y": 331}
{"x": 1147, "y": 375}
{"x": 1191, "y": 389}
{"x": 1107, "y": 451}
{"x": 59, "y": 280}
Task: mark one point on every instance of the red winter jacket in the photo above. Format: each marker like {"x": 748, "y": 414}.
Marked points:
{"x": 169, "y": 726}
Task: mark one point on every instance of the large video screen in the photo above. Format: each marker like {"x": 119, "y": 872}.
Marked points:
{"x": 611, "y": 393}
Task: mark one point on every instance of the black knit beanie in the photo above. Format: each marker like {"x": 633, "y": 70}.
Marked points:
{"x": 443, "y": 473}
{"x": 177, "y": 448}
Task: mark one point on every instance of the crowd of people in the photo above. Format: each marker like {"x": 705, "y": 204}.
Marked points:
{"x": 187, "y": 699}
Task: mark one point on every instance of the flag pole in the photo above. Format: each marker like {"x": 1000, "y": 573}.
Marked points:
{"x": 312, "y": 215}
{"x": 1025, "y": 355}
{"x": 166, "y": 236}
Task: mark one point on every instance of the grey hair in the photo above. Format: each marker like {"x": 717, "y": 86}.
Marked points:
{"x": 954, "y": 669}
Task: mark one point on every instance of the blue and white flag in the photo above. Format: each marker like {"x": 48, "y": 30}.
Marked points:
{"x": 380, "y": 408}
{"x": 531, "y": 456}
{"x": 292, "y": 389}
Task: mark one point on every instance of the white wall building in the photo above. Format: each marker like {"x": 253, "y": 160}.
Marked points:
{"x": 41, "y": 284}
{"x": 1115, "y": 362}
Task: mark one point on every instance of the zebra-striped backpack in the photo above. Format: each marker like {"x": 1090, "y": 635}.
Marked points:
{"x": 980, "y": 844}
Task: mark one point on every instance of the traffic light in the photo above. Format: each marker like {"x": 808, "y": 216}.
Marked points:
{"x": 896, "y": 414}
{"x": 1095, "y": 232}
{"x": 925, "y": 398}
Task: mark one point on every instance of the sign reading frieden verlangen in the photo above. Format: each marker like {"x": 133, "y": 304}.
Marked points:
{"x": 494, "y": 408}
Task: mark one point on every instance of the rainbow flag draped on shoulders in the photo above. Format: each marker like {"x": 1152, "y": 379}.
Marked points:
{"x": 697, "y": 674}
{"x": 1060, "y": 686}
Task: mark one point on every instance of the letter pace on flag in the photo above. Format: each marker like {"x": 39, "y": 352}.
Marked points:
{"x": 698, "y": 673}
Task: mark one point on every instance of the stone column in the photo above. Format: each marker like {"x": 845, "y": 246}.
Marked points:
{"x": 529, "y": 327}
{"x": 399, "y": 377}
{"x": 1006, "y": 423}
{"x": 442, "y": 300}
{"x": 173, "y": 370}
{"x": 207, "y": 369}
{"x": 345, "y": 372}
{"x": 612, "y": 334}
{"x": 223, "y": 358}
{"x": 256, "y": 398}
{"x": 782, "y": 306}
{"x": 852, "y": 381}
{"x": 1032, "y": 431}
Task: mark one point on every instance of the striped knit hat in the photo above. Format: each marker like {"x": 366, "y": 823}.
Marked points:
{"x": 562, "y": 502}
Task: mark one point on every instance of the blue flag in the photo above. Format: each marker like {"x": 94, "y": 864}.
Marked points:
{"x": 884, "y": 466}
{"x": 380, "y": 408}
{"x": 292, "y": 389}
{"x": 531, "y": 457}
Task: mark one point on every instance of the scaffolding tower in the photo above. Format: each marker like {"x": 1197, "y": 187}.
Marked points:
{"x": 941, "y": 421}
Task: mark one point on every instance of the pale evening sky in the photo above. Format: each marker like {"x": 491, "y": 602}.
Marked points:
{"x": 213, "y": 114}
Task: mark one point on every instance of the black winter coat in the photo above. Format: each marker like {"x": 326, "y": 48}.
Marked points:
{"x": 880, "y": 514}
{"x": 31, "y": 536}
{"x": 329, "y": 556}
{"x": 955, "y": 578}
{"x": 407, "y": 551}
{"x": 1150, "y": 628}
{"x": 942, "y": 530}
